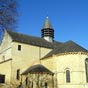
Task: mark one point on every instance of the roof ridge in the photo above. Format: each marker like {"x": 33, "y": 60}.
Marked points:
{"x": 70, "y": 41}
{"x": 24, "y": 34}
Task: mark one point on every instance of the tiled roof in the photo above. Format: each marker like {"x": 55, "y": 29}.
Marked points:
{"x": 37, "y": 69}
{"x": 37, "y": 41}
{"x": 66, "y": 47}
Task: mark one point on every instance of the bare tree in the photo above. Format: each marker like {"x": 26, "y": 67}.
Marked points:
{"x": 8, "y": 15}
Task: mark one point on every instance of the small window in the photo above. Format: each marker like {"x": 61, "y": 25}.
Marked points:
{"x": 67, "y": 76}
{"x": 2, "y": 78}
{"x": 19, "y": 47}
{"x": 18, "y": 74}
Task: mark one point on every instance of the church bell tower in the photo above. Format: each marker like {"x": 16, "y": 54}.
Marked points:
{"x": 47, "y": 31}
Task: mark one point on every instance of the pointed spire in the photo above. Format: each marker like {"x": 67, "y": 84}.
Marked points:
{"x": 47, "y": 24}
{"x": 47, "y": 31}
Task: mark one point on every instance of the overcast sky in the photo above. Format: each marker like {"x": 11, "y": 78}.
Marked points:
{"x": 69, "y": 19}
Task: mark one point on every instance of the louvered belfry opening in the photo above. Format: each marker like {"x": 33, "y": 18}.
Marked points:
{"x": 47, "y": 32}
{"x": 38, "y": 76}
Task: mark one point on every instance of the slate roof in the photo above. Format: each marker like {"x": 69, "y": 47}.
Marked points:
{"x": 47, "y": 24}
{"x": 37, "y": 41}
{"x": 57, "y": 47}
{"x": 37, "y": 69}
{"x": 66, "y": 47}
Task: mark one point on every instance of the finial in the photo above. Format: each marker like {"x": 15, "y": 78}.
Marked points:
{"x": 47, "y": 17}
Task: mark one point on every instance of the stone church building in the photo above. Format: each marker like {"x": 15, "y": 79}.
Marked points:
{"x": 41, "y": 62}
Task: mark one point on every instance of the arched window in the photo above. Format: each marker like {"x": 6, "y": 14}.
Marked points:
{"x": 86, "y": 68}
{"x": 67, "y": 76}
